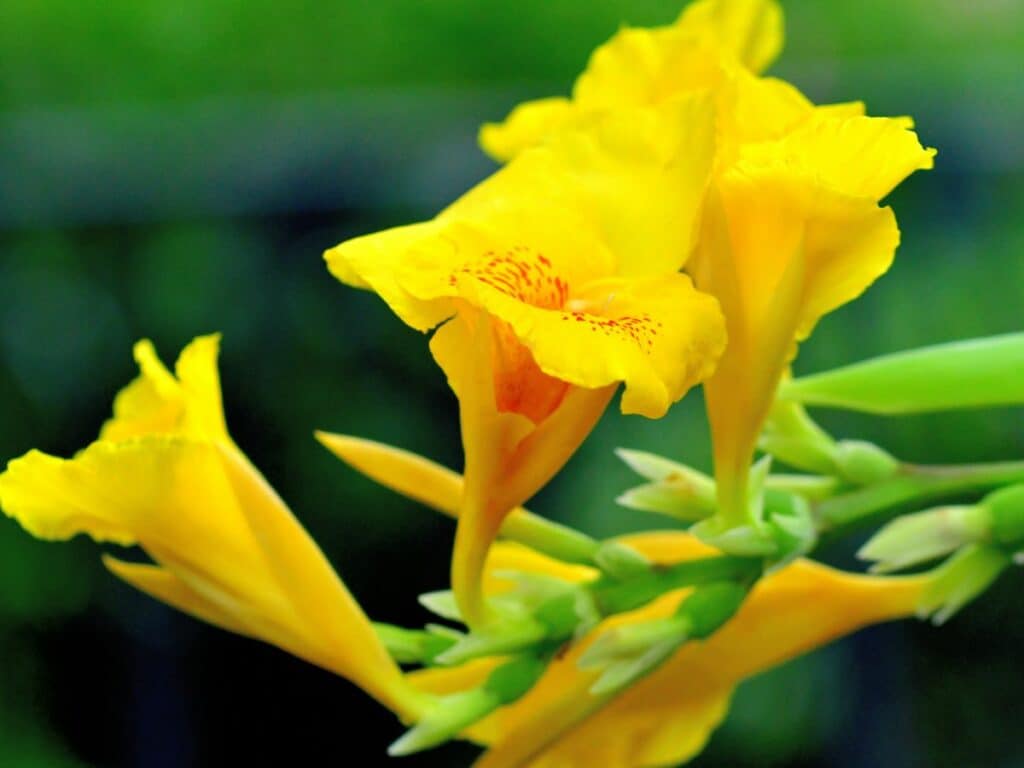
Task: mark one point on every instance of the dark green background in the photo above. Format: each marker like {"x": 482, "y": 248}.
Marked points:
{"x": 170, "y": 169}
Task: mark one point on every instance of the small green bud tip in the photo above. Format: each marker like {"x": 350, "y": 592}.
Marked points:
{"x": 741, "y": 541}
{"x": 961, "y": 579}
{"x": 498, "y": 639}
{"x": 451, "y": 715}
{"x": 915, "y": 539}
{"x": 632, "y": 641}
{"x": 675, "y": 489}
{"x": 863, "y": 463}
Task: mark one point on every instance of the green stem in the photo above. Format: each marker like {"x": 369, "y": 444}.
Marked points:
{"x": 550, "y": 538}
{"x": 913, "y": 483}
{"x": 614, "y": 597}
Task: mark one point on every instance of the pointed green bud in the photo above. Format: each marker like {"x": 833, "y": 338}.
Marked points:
{"x": 622, "y": 673}
{"x": 961, "y": 579}
{"x": 441, "y": 604}
{"x": 499, "y": 638}
{"x": 741, "y": 541}
{"x": 965, "y": 374}
{"x": 411, "y": 646}
{"x": 1006, "y": 507}
{"x": 621, "y": 561}
{"x": 630, "y": 641}
{"x": 863, "y": 463}
{"x": 915, "y": 539}
{"x": 451, "y": 715}
{"x": 675, "y": 489}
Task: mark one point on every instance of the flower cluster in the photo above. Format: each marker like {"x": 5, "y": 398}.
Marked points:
{"x": 679, "y": 220}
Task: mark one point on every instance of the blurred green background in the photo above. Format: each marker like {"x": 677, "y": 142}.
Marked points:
{"x": 169, "y": 169}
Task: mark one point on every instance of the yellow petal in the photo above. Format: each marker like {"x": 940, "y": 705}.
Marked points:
{"x": 858, "y": 156}
{"x": 751, "y": 30}
{"x": 403, "y": 472}
{"x": 160, "y": 403}
{"x": 374, "y": 262}
{"x": 658, "y": 336}
{"x": 526, "y": 126}
{"x": 325, "y": 609}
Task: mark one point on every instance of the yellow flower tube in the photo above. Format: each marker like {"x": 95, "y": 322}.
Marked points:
{"x": 553, "y": 281}
{"x": 667, "y": 717}
{"x": 166, "y": 476}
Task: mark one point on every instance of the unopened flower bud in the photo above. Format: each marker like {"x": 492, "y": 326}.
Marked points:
{"x": 914, "y": 539}
{"x": 1006, "y": 507}
{"x": 675, "y": 489}
{"x": 863, "y": 463}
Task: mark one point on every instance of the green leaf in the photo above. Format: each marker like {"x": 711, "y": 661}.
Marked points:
{"x": 966, "y": 374}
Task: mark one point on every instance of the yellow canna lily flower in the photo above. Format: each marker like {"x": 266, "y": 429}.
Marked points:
{"x": 793, "y": 230}
{"x": 715, "y": 45}
{"x": 667, "y": 717}
{"x": 555, "y": 280}
{"x": 166, "y": 476}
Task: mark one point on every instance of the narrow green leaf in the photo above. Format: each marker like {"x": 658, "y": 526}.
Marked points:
{"x": 966, "y": 374}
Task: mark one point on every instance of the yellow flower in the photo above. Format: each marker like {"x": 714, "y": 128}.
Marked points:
{"x": 792, "y": 228}
{"x": 667, "y": 717}
{"x": 555, "y": 279}
{"x": 166, "y": 476}
{"x": 715, "y": 45}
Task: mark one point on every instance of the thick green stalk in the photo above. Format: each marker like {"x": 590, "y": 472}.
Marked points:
{"x": 913, "y": 483}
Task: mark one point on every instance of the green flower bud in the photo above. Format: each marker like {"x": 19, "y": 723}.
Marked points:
{"x": 914, "y": 539}
{"x": 675, "y": 489}
{"x": 1006, "y": 507}
{"x": 863, "y": 463}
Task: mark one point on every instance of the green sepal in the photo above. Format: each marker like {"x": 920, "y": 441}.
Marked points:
{"x": 977, "y": 373}
{"x": 961, "y": 579}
